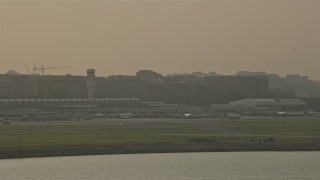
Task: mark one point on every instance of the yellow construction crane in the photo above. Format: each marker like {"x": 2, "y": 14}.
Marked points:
{"x": 42, "y": 69}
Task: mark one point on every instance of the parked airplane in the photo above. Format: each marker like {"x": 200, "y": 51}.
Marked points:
{"x": 127, "y": 115}
{"x": 232, "y": 115}
{"x": 282, "y": 113}
{"x": 99, "y": 115}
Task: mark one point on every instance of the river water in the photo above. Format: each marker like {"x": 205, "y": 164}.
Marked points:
{"x": 175, "y": 166}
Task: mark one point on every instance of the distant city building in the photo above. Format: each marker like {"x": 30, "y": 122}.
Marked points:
{"x": 301, "y": 85}
{"x": 281, "y": 93}
{"x": 195, "y": 74}
{"x": 237, "y": 86}
{"x": 188, "y": 89}
{"x": 121, "y": 87}
{"x": 202, "y": 75}
{"x": 197, "y": 88}
{"x": 34, "y": 86}
{"x": 296, "y": 77}
{"x": 181, "y": 79}
{"x": 248, "y": 73}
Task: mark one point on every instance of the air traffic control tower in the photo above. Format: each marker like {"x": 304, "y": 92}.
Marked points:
{"x": 91, "y": 83}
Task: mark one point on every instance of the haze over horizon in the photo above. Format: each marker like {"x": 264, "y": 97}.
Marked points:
{"x": 225, "y": 36}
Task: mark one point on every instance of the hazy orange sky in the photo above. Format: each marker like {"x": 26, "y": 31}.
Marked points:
{"x": 122, "y": 37}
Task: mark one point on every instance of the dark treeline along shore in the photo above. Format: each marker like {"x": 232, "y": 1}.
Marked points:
{"x": 123, "y": 136}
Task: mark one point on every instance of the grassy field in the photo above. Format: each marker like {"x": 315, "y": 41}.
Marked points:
{"x": 22, "y": 136}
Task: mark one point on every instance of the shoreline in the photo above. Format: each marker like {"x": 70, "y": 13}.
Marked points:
{"x": 159, "y": 148}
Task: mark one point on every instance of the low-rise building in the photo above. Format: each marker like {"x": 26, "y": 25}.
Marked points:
{"x": 276, "y": 105}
